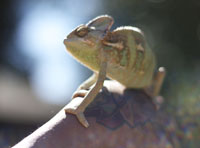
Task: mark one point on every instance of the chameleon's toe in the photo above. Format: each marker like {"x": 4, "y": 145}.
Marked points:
{"x": 73, "y": 108}
{"x": 81, "y": 118}
{"x": 80, "y": 93}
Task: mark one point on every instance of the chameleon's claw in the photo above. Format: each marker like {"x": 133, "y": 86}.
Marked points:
{"x": 73, "y": 108}
{"x": 81, "y": 118}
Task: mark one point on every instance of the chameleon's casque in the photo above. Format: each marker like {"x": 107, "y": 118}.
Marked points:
{"x": 130, "y": 60}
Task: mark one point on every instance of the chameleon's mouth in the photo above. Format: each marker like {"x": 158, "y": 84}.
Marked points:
{"x": 68, "y": 40}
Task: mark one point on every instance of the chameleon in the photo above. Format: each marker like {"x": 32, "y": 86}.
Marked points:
{"x": 122, "y": 55}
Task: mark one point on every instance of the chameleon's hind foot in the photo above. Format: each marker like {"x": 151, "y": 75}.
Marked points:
{"x": 74, "y": 108}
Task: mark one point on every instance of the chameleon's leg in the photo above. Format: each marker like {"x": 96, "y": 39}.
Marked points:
{"x": 158, "y": 81}
{"x": 81, "y": 91}
{"x": 154, "y": 89}
{"x": 77, "y": 106}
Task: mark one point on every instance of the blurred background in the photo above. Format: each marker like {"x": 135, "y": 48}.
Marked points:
{"x": 38, "y": 76}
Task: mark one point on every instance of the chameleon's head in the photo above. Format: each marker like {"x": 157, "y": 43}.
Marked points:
{"x": 84, "y": 42}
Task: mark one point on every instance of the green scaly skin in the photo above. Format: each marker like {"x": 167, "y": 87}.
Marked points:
{"x": 130, "y": 61}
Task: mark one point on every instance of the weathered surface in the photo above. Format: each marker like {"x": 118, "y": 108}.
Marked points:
{"x": 124, "y": 118}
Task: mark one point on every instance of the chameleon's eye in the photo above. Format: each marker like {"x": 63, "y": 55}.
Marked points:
{"x": 82, "y": 31}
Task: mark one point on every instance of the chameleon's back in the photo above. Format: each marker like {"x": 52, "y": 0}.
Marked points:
{"x": 134, "y": 64}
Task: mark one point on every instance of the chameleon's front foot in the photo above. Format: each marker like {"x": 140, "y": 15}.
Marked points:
{"x": 81, "y": 100}
{"x": 75, "y": 107}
